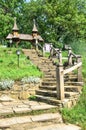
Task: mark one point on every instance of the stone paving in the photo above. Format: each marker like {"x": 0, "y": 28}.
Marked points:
{"x": 48, "y": 121}
{"x": 22, "y": 106}
{"x": 58, "y": 127}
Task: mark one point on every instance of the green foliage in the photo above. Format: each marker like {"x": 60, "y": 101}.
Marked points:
{"x": 32, "y": 97}
{"x": 8, "y": 10}
{"x": 79, "y": 46}
{"x": 9, "y": 67}
{"x": 60, "y": 22}
{"x": 47, "y": 54}
{"x": 26, "y": 45}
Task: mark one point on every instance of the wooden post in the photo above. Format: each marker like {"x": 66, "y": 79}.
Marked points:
{"x": 43, "y": 51}
{"x": 69, "y": 56}
{"x": 36, "y": 43}
{"x": 60, "y": 57}
{"x": 60, "y": 82}
{"x": 79, "y": 69}
{"x": 51, "y": 50}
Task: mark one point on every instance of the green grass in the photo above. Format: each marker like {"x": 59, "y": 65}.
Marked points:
{"x": 9, "y": 65}
{"x": 77, "y": 114}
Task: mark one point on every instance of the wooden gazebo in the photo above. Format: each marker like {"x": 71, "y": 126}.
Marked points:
{"x": 15, "y": 36}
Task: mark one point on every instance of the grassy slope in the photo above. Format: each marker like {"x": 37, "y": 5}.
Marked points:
{"x": 9, "y": 65}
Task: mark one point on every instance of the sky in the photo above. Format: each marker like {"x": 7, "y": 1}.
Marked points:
{"x": 27, "y": 0}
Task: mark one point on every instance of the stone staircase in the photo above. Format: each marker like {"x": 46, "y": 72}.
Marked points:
{"x": 47, "y": 91}
{"x": 26, "y": 115}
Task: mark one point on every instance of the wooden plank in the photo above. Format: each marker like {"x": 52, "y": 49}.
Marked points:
{"x": 72, "y": 68}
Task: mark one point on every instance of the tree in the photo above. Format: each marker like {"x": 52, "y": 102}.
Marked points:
{"x": 8, "y": 10}
{"x": 60, "y": 21}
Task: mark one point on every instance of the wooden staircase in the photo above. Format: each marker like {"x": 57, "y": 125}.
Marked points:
{"x": 47, "y": 91}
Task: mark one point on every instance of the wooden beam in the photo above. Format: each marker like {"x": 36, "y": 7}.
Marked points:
{"x": 72, "y": 68}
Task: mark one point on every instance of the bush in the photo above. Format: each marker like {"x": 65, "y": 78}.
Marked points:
{"x": 31, "y": 79}
{"x": 6, "y": 84}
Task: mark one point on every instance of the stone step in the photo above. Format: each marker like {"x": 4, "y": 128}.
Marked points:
{"x": 54, "y": 93}
{"x": 7, "y": 122}
{"x": 48, "y": 87}
{"x": 49, "y": 100}
{"x": 46, "y": 93}
{"x": 73, "y": 88}
{"x": 50, "y": 73}
{"x": 49, "y": 79}
{"x": 73, "y": 83}
{"x": 21, "y": 107}
{"x": 71, "y": 78}
{"x": 49, "y": 83}
{"x": 71, "y": 94}
{"x": 47, "y": 67}
{"x": 49, "y": 76}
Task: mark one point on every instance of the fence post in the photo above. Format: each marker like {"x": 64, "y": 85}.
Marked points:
{"x": 43, "y": 51}
{"x": 79, "y": 59}
{"x": 36, "y": 44}
{"x": 51, "y": 50}
{"x": 60, "y": 82}
{"x": 60, "y": 57}
{"x": 69, "y": 56}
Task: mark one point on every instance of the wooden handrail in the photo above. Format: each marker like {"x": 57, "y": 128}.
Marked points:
{"x": 41, "y": 49}
{"x": 52, "y": 50}
{"x": 60, "y": 72}
{"x": 72, "y": 68}
{"x": 55, "y": 49}
{"x": 75, "y": 56}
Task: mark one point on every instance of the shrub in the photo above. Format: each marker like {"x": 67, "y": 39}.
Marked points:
{"x": 31, "y": 79}
{"x": 6, "y": 84}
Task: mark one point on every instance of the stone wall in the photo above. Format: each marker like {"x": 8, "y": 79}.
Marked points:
{"x": 21, "y": 91}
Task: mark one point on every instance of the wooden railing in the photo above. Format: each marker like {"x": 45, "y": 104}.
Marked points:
{"x": 56, "y": 53}
{"x": 60, "y": 72}
{"x": 40, "y": 49}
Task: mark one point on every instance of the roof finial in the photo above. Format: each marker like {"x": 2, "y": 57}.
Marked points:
{"x": 34, "y": 26}
{"x": 15, "y": 28}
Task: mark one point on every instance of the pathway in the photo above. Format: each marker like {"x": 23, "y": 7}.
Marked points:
{"x": 39, "y": 121}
